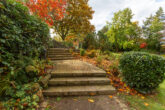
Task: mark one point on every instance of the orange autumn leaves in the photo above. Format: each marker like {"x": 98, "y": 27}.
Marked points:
{"x": 48, "y": 10}
{"x": 120, "y": 85}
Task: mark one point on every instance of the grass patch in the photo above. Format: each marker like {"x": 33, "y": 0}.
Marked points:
{"x": 151, "y": 102}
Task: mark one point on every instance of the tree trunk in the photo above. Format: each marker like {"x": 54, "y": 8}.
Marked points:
{"x": 63, "y": 37}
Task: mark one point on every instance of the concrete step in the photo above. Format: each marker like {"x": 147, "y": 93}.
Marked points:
{"x": 61, "y": 58}
{"x": 79, "y": 90}
{"x": 59, "y": 53}
{"x": 85, "y": 73}
{"x": 78, "y": 81}
{"x": 58, "y": 49}
{"x": 53, "y": 56}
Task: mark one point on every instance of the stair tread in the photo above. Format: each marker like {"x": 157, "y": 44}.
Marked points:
{"x": 69, "y": 58}
{"x": 91, "y": 88}
{"x": 60, "y": 51}
{"x": 60, "y": 55}
{"x": 61, "y": 58}
{"x": 78, "y": 72}
{"x": 58, "y": 48}
{"x": 80, "y": 79}
{"x": 52, "y": 55}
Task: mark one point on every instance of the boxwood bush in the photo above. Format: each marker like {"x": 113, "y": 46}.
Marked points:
{"x": 142, "y": 71}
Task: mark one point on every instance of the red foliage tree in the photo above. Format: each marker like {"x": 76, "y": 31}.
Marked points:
{"x": 48, "y": 10}
{"x": 143, "y": 45}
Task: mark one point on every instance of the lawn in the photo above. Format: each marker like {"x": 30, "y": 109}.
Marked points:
{"x": 150, "y": 102}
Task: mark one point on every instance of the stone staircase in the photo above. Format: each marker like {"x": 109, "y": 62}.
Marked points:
{"x": 76, "y": 78}
{"x": 59, "y": 54}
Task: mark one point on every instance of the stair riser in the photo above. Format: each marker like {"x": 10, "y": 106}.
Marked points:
{"x": 80, "y": 93}
{"x": 54, "y": 54}
{"x": 59, "y": 75}
{"x": 61, "y": 56}
{"x": 65, "y": 83}
{"x": 59, "y": 53}
{"x": 52, "y": 59}
{"x": 56, "y": 51}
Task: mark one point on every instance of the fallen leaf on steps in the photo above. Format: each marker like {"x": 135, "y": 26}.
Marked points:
{"x": 111, "y": 96}
{"x": 91, "y": 100}
{"x": 92, "y": 94}
{"x": 75, "y": 99}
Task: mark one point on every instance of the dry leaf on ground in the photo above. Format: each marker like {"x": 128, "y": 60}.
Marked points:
{"x": 146, "y": 104}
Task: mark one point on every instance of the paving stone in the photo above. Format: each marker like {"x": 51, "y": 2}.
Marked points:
{"x": 101, "y": 102}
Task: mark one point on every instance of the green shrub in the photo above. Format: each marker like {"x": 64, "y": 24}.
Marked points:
{"x": 114, "y": 56}
{"x": 99, "y": 59}
{"x": 82, "y": 52}
{"x": 68, "y": 44}
{"x": 21, "y": 35}
{"x": 23, "y": 40}
{"x": 71, "y": 50}
{"x": 129, "y": 45}
{"x": 91, "y": 54}
{"x": 106, "y": 52}
{"x": 142, "y": 71}
{"x": 22, "y": 97}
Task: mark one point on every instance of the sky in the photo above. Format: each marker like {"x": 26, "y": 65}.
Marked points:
{"x": 104, "y": 9}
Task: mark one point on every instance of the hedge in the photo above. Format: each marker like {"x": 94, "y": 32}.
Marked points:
{"x": 142, "y": 71}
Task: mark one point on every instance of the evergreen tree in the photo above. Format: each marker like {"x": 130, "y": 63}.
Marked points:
{"x": 152, "y": 29}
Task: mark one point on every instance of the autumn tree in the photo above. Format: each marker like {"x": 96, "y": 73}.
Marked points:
{"x": 65, "y": 16}
{"x": 122, "y": 29}
{"x": 48, "y": 10}
{"x": 152, "y": 29}
{"x": 76, "y": 20}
